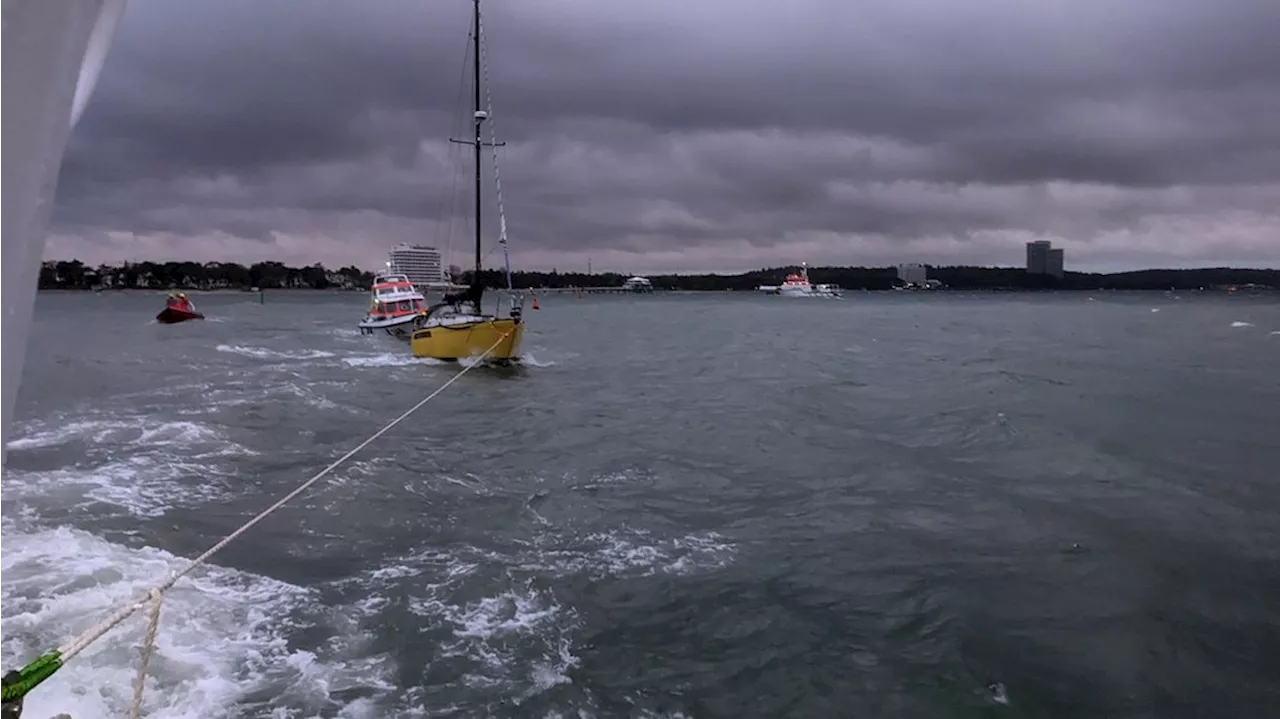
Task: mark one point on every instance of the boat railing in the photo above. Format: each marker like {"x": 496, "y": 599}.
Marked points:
{"x": 513, "y": 301}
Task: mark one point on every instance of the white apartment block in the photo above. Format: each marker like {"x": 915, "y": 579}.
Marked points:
{"x": 420, "y": 263}
{"x": 913, "y": 273}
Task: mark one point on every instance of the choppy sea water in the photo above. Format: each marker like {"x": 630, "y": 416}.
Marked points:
{"x": 894, "y": 505}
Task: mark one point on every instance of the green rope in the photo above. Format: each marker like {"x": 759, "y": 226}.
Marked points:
{"x": 30, "y": 676}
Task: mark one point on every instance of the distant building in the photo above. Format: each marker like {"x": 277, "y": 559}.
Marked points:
{"x": 1054, "y": 263}
{"x": 1038, "y": 256}
{"x": 913, "y": 273}
{"x": 421, "y": 264}
{"x": 1042, "y": 259}
{"x": 337, "y": 279}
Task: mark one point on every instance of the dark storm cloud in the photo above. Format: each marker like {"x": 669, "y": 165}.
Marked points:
{"x": 835, "y": 127}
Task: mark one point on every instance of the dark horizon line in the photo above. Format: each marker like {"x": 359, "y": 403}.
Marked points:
{"x": 602, "y": 273}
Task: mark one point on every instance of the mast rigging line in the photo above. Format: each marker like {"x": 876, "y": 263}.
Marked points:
{"x": 493, "y": 143}
{"x": 449, "y": 203}
{"x": 17, "y": 684}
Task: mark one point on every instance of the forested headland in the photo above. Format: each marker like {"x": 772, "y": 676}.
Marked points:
{"x": 74, "y": 275}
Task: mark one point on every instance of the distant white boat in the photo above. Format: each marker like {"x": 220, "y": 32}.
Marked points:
{"x": 797, "y": 285}
{"x": 638, "y": 284}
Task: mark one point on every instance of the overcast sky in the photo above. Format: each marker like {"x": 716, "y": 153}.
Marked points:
{"x": 698, "y": 135}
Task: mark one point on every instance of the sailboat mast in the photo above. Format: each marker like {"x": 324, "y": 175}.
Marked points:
{"x": 479, "y": 119}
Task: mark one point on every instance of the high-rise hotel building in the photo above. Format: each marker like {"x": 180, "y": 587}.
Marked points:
{"x": 421, "y": 264}
{"x": 1043, "y": 259}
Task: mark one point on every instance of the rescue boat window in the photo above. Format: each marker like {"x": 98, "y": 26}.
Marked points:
{"x": 405, "y": 305}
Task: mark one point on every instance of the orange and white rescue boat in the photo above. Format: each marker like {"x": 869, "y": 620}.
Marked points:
{"x": 396, "y": 304}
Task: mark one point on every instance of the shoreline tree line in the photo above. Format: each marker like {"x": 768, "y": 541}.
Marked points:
{"x": 74, "y": 275}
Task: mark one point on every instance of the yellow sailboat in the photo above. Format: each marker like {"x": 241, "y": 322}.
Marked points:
{"x": 458, "y": 327}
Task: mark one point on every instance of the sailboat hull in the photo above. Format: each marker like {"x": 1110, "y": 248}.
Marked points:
{"x": 469, "y": 339}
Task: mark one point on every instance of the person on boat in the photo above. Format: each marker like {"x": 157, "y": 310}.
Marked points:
{"x": 183, "y": 302}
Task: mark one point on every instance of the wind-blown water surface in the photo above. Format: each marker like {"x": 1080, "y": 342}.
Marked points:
{"x": 689, "y": 506}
